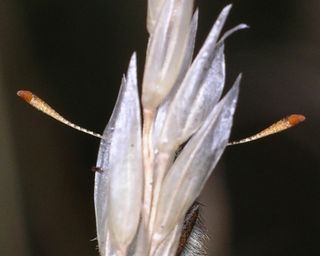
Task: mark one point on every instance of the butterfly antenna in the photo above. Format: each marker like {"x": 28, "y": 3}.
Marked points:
{"x": 41, "y": 105}
{"x": 281, "y": 125}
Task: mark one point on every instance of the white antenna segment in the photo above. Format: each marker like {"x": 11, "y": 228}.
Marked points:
{"x": 41, "y": 105}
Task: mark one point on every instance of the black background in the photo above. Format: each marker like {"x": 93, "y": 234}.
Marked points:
{"x": 263, "y": 198}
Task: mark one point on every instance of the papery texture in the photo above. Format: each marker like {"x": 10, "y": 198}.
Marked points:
{"x": 166, "y": 51}
{"x": 154, "y": 8}
{"x": 193, "y": 101}
{"x": 199, "y": 91}
{"x": 101, "y": 192}
{"x": 143, "y": 193}
{"x": 118, "y": 194}
{"x": 163, "y": 108}
{"x": 170, "y": 245}
{"x": 185, "y": 100}
{"x": 186, "y": 178}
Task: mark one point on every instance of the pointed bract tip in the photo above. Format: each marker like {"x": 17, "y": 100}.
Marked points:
{"x": 295, "y": 119}
{"x": 225, "y": 11}
{"x": 25, "y": 95}
{"x": 238, "y": 79}
{"x": 227, "y": 8}
{"x": 133, "y": 56}
{"x": 243, "y": 26}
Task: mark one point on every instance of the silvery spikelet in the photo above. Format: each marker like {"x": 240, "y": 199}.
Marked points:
{"x": 145, "y": 188}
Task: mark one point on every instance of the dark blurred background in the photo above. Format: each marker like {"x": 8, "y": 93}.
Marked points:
{"x": 264, "y": 197}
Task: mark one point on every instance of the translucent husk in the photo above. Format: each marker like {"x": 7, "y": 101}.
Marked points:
{"x": 145, "y": 187}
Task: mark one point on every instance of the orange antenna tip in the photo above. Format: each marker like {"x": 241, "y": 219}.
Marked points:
{"x": 296, "y": 119}
{"x": 279, "y": 126}
{"x": 42, "y": 106}
{"x": 25, "y": 95}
